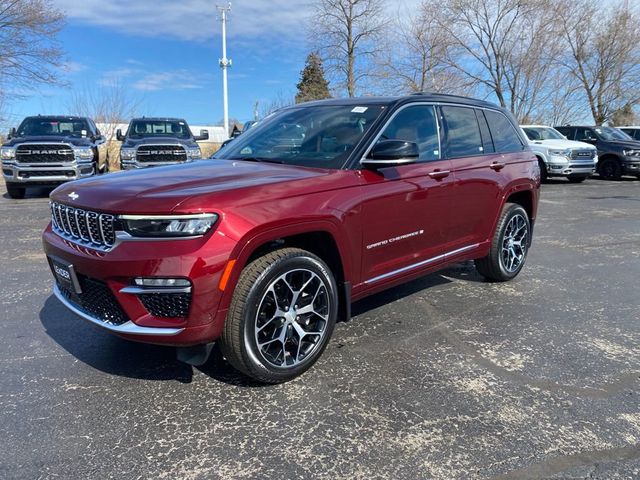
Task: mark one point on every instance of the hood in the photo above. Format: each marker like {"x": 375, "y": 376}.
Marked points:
{"x": 624, "y": 144}
{"x": 208, "y": 182}
{"x": 72, "y": 140}
{"x": 561, "y": 144}
{"x": 131, "y": 142}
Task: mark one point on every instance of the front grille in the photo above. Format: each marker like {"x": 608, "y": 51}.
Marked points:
{"x": 96, "y": 300}
{"x": 169, "y": 305}
{"x": 161, "y": 154}
{"x": 93, "y": 229}
{"x": 582, "y": 165}
{"x": 584, "y": 154}
{"x": 54, "y": 153}
{"x": 46, "y": 173}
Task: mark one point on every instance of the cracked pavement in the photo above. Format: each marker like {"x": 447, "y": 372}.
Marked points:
{"x": 445, "y": 377}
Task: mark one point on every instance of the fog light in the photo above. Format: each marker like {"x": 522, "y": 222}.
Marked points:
{"x": 162, "y": 282}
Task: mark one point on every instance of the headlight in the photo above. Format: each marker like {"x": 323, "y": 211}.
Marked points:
{"x": 561, "y": 153}
{"x": 194, "y": 153}
{"x": 127, "y": 153}
{"x": 8, "y": 153}
{"x": 169, "y": 225}
{"x": 631, "y": 153}
{"x": 84, "y": 153}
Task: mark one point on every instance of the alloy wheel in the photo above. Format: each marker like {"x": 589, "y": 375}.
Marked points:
{"x": 514, "y": 243}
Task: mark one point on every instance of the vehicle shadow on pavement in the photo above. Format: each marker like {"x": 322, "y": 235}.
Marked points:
{"x": 116, "y": 356}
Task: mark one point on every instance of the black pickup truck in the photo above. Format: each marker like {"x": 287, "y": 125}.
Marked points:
{"x": 49, "y": 150}
{"x": 151, "y": 142}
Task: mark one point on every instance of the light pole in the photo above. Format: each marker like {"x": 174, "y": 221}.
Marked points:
{"x": 224, "y": 64}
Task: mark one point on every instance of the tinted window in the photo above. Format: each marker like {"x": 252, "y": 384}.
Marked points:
{"x": 416, "y": 124}
{"x": 487, "y": 142}
{"x": 584, "y": 134}
{"x": 505, "y": 137}
{"x": 45, "y": 126}
{"x": 159, "y": 128}
{"x": 463, "y": 132}
{"x": 566, "y": 131}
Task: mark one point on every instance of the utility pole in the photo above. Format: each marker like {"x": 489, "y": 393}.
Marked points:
{"x": 224, "y": 64}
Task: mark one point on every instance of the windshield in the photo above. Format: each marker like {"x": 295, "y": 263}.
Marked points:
{"x": 313, "y": 136}
{"x": 610, "y": 133}
{"x": 43, "y": 126}
{"x": 159, "y": 128}
{"x": 542, "y": 133}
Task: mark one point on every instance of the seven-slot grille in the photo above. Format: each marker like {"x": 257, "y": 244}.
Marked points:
{"x": 161, "y": 153}
{"x": 86, "y": 227}
{"x": 46, "y": 153}
{"x": 585, "y": 154}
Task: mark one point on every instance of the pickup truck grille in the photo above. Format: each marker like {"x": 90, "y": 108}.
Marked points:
{"x": 53, "y": 153}
{"x": 584, "y": 154}
{"x": 88, "y": 228}
{"x": 161, "y": 154}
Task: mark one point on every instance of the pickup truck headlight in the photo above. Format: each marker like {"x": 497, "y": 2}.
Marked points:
{"x": 8, "y": 153}
{"x": 194, "y": 153}
{"x": 169, "y": 225}
{"x": 85, "y": 153}
{"x": 631, "y": 153}
{"x": 561, "y": 153}
{"x": 127, "y": 153}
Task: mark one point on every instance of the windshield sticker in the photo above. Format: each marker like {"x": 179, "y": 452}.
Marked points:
{"x": 246, "y": 151}
{"x": 359, "y": 109}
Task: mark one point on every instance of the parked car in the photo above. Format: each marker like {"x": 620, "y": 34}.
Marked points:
{"x": 618, "y": 153}
{"x": 150, "y": 142}
{"x": 49, "y": 150}
{"x": 633, "y": 132}
{"x": 559, "y": 157}
{"x": 265, "y": 246}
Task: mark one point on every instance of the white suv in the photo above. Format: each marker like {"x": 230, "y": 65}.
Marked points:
{"x": 559, "y": 157}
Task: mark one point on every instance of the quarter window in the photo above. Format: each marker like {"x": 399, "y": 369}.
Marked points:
{"x": 416, "y": 124}
{"x": 463, "y": 132}
{"x": 505, "y": 137}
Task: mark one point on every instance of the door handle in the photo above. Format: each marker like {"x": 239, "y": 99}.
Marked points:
{"x": 438, "y": 174}
{"x": 497, "y": 166}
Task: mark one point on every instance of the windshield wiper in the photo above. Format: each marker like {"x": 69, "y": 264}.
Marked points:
{"x": 257, "y": 159}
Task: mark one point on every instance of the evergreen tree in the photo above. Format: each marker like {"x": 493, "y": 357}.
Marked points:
{"x": 313, "y": 85}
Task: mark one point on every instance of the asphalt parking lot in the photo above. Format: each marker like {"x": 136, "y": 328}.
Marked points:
{"x": 445, "y": 377}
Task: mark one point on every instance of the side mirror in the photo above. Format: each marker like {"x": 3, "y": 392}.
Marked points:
{"x": 119, "y": 135}
{"x": 204, "y": 135}
{"x": 389, "y": 153}
{"x": 12, "y": 133}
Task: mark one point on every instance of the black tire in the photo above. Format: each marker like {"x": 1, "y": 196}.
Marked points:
{"x": 253, "y": 300}
{"x": 543, "y": 170}
{"x": 494, "y": 267}
{"x": 610, "y": 169}
{"x": 16, "y": 192}
{"x": 576, "y": 179}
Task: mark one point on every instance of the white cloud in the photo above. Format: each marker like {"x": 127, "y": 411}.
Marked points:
{"x": 192, "y": 19}
{"x": 140, "y": 78}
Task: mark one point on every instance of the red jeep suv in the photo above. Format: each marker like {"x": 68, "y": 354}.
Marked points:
{"x": 264, "y": 246}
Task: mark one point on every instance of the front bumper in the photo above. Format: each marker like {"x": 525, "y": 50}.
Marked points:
{"x": 631, "y": 166}
{"x": 193, "y": 259}
{"x": 565, "y": 167}
{"x": 44, "y": 173}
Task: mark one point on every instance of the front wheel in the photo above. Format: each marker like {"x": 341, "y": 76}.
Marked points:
{"x": 509, "y": 247}
{"x": 543, "y": 171}
{"x": 610, "y": 169}
{"x": 282, "y": 315}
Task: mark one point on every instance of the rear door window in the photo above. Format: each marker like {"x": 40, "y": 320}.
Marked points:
{"x": 463, "y": 132}
{"x": 505, "y": 137}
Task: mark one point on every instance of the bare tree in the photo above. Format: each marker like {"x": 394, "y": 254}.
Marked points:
{"x": 347, "y": 34}
{"x": 414, "y": 57}
{"x": 110, "y": 104}
{"x": 280, "y": 100}
{"x": 30, "y": 52}
{"x": 603, "y": 54}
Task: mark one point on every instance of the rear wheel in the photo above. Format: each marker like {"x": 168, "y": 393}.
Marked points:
{"x": 576, "y": 179}
{"x": 610, "y": 169}
{"x": 16, "y": 192}
{"x": 509, "y": 247}
{"x": 282, "y": 315}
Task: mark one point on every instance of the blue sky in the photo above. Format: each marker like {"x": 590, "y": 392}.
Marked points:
{"x": 166, "y": 53}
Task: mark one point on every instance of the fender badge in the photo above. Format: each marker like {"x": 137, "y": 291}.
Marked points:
{"x": 73, "y": 196}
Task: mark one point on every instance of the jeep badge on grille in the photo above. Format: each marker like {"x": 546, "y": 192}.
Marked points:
{"x": 73, "y": 196}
